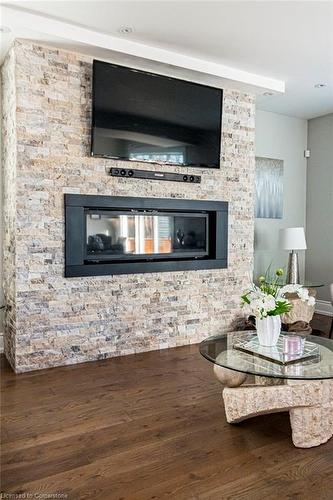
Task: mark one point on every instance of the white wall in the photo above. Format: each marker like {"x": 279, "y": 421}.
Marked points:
{"x": 319, "y": 214}
{"x": 285, "y": 138}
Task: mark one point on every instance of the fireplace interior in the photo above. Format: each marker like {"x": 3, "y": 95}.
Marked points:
{"x": 117, "y": 235}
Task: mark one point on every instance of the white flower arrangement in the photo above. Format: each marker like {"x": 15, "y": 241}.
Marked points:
{"x": 302, "y": 292}
{"x": 269, "y": 298}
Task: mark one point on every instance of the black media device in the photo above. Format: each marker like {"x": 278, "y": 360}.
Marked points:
{"x": 157, "y": 176}
{"x": 140, "y": 116}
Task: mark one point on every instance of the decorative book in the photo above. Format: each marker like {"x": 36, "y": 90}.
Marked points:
{"x": 276, "y": 354}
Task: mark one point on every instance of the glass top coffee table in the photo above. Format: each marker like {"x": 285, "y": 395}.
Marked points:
{"x": 254, "y": 385}
{"x": 221, "y": 351}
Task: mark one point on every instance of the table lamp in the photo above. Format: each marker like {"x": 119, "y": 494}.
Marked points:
{"x": 292, "y": 238}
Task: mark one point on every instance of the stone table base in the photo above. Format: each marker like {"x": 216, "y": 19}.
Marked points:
{"x": 301, "y": 311}
{"x": 309, "y": 402}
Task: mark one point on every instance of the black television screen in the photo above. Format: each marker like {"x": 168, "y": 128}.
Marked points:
{"x": 146, "y": 117}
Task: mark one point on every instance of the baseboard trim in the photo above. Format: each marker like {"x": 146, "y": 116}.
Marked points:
{"x": 324, "y": 307}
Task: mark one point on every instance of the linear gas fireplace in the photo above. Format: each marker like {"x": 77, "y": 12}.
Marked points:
{"x": 120, "y": 235}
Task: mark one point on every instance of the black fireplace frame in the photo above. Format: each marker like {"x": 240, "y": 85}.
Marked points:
{"x": 75, "y": 209}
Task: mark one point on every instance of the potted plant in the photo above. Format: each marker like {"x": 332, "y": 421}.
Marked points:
{"x": 267, "y": 302}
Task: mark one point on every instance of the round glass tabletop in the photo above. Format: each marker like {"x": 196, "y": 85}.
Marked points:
{"x": 307, "y": 284}
{"x": 228, "y": 350}
{"x": 312, "y": 284}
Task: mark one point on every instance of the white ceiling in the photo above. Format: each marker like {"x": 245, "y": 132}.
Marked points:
{"x": 288, "y": 41}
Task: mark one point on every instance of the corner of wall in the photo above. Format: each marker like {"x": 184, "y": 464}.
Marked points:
{"x": 9, "y": 158}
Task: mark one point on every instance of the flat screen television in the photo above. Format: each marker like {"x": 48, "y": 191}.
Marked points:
{"x": 146, "y": 117}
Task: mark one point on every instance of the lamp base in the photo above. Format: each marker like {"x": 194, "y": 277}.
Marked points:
{"x": 293, "y": 269}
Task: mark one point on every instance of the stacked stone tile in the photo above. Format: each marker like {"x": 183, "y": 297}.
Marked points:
{"x": 52, "y": 320}
{"x": 9, "y": 157}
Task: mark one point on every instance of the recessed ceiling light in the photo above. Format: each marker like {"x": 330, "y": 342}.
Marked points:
{"x": 125, "y": 30}
{"x": 5, "y": 29}
{"x": 266, "y": 94}
{"x": 320, "y": 85}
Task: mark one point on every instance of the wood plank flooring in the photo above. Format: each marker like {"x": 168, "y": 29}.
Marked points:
{"x": 147, "y": 426}
{"x": 322, "y": 323}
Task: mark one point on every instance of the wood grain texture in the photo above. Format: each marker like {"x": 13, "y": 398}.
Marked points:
{"x": 147, "y": 426}
{"x": 321, "y": 325}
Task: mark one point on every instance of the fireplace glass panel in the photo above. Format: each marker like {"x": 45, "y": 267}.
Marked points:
{"x": 114, "y": 235}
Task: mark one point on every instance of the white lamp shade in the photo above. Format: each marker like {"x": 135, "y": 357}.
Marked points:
{"x": 292, "y": 238}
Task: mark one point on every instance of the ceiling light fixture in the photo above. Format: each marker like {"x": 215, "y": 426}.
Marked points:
{"x": 5, "y": 29}
{"x": 125, "y": 30}
{"x": 320, "y": 85}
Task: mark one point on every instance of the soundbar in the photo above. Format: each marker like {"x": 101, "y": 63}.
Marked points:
{"x": 157, "y": 176}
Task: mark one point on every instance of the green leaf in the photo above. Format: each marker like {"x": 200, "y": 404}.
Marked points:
{"x": 245, "y": 299}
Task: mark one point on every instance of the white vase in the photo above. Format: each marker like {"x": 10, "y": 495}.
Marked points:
{"x": 268, "y": 330}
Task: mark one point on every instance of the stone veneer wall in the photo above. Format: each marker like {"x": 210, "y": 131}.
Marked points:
{"x": 56, "y": 321}
{"x": 8, "y": 164}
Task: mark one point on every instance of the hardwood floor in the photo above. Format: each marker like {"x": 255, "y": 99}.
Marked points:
{"x": 147, "y": 426}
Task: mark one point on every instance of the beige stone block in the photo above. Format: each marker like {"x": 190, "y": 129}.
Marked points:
{"x": 309, "y": 402}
